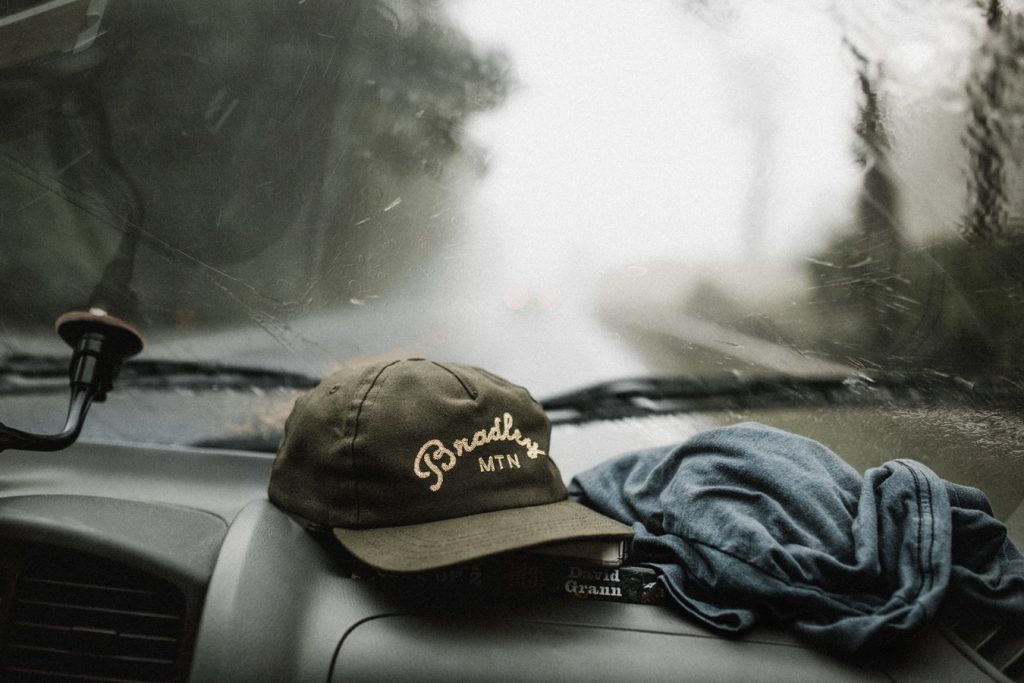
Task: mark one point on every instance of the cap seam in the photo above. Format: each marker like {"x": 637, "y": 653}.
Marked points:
{"x": 355, "y": 434}
{"x": 520, "y": 387}
{"x": 471, "y": 390}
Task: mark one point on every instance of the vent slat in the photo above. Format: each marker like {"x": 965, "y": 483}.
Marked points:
{"x": 122, "y": 634}
{"x": 1014, "y": 669}
{"x": 53, "y": 585}
{"x": 65, "y": 661}
{"x": 97, "y": 608}
{"x": 978, "y": 635}
{"x": 989, "y": 643}
{"x": 26, "y": 675}
{"x": 999, "y": 643}
{"x": 63, "y": 616}
{"x": 92, "y": 655}
{"x": 1002, "y": 648}
{"x": 95, "y": 640}
{"x": 81, "y": 584}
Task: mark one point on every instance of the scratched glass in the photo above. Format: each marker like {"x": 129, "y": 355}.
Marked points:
{"x": 561, "y": 192}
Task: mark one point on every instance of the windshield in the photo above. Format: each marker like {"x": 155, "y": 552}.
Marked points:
{"x": 561, "y": 192}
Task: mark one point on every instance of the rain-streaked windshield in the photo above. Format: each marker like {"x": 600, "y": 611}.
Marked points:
{"x": 562, "y": 192}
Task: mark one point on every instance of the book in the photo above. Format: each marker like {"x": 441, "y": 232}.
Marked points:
{"x": 528, "y": 574}
{"x": 605, "y": 552}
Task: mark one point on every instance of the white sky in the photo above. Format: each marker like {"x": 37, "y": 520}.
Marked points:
{"x": 634, "y": 133}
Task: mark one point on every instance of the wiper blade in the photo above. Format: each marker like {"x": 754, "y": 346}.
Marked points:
{"x": 30, "y": 374}
{"x": 634, "y": 397}
{"x": 41, "y": 373}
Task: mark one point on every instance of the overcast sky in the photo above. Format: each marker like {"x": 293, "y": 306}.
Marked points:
{"x": 644, "y": 131}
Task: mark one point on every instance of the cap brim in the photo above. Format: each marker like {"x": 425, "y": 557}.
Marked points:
{"x": 430, "y": 545}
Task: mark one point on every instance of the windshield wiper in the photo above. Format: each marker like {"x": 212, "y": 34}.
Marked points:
{"x": 31, "y": 374}
{"x": 643, "y": 396}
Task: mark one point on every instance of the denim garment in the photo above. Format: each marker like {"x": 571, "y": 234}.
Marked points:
{"x": 749, "y": 522}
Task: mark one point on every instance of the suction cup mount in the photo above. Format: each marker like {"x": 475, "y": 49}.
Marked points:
{"x": 99, "y": 343}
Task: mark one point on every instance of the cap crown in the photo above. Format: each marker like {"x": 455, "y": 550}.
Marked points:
{"x": 410, "y": 441}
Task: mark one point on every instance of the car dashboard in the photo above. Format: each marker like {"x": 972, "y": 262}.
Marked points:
{"x": 154, "y": 563}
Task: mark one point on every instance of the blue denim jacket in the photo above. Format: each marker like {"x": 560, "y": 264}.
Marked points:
{"x": 749, "y": 522}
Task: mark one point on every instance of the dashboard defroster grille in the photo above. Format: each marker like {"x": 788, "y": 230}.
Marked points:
{"x": 999, "y": 644}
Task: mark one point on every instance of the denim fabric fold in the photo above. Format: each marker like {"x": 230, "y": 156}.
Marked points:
{"x": 750, "y": 523}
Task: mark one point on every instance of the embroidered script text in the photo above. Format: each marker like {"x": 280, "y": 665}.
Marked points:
{"x": 435, "y": 458}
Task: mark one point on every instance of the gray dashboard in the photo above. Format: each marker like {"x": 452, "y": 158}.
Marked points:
{"x": 264, "y": 601}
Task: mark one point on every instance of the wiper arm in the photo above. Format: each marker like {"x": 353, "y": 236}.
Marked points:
{"x": 636, "y": 397}
{"x": 28, "y": 374}
{"x": 632, "y": 397}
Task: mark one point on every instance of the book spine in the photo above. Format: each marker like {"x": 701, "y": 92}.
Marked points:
{"x": 637, "y": 585}
{"x": 536, "y": 576}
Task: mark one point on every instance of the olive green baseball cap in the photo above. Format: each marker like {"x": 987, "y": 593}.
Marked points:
{"x": 417, "y": 465}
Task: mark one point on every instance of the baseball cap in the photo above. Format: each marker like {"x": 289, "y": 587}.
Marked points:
{"x": 416, "y": 465}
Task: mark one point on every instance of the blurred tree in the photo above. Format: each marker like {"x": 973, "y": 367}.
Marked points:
{"x": 953, "y": 304}
{"x": 270, "y": 156}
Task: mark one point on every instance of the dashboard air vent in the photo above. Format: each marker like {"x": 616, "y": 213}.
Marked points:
{"x": 72, "y": 616}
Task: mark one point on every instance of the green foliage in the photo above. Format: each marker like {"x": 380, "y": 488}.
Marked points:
{"x": 276, "y": 157}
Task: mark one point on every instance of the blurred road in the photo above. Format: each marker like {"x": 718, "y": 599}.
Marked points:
{"x": 545, "y": 350}
{"x": 561, "y": 345}
{"x": 701, "y": 347}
